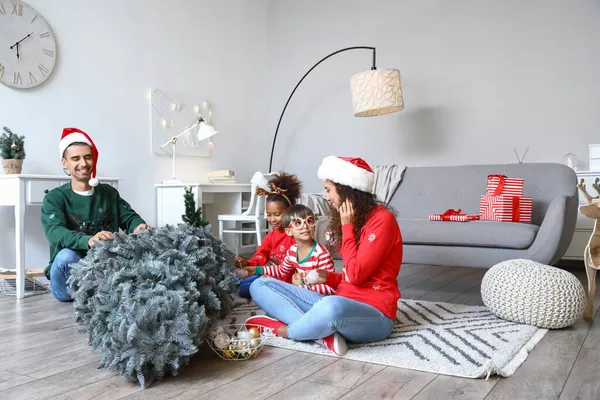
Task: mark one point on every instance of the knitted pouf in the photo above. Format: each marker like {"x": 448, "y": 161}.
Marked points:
{"x": 531, "y": 293}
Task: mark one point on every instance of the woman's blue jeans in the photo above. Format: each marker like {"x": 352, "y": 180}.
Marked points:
{"x": 60, "y": 272}
{"x": 311, "y": 316}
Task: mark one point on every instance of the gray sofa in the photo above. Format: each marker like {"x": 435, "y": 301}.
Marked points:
{"x": 429, "y": 190}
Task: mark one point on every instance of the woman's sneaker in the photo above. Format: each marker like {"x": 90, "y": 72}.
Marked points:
{"x": 264, "y": 324}
{"x": 335, "y": 343}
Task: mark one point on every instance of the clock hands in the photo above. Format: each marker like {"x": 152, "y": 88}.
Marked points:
{"x": 17, "y": 44}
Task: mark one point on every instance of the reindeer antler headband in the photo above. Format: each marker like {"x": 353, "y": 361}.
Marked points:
{"x": 276, "y": 190}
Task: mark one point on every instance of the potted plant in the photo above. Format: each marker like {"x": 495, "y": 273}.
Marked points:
{"x": 12, "y": 151}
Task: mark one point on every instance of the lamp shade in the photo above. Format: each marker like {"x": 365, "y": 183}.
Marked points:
{"x": 205, "y": 131}
{"x": 376, "y": 92}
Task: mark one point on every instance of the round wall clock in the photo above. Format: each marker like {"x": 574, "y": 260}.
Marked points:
{"x": 27, "y": 46}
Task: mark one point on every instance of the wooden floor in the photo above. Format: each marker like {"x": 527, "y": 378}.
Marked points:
{"x": 43, "y": 357}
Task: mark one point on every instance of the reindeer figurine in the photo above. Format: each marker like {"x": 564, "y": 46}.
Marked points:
{"x": 591, "y": 255}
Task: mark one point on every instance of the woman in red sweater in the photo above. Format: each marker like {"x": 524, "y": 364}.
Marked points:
{"x": 368, "y": 237}
{"x": 285, "y": 189}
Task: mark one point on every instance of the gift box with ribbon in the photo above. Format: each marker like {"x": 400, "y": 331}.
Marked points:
{"x": 505, "y": 208}
{"x": 497, "y": 184}
{"x": 453, "y": 215}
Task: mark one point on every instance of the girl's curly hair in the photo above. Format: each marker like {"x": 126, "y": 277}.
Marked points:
{"x": 290, "y": 185}
{"x": 363, "y": 203}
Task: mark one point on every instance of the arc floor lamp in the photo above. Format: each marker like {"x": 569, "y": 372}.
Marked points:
{"x": 374, "y": 92}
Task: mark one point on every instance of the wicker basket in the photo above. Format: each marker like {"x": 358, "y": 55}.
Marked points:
{"x": 229, "y": 343}
{"x": 12, "y": 166}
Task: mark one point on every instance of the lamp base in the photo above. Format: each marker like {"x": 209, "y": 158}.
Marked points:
{"x": 172, "y": 181}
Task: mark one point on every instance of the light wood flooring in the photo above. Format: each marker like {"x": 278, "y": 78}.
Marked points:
{"x": 43, "y": 357}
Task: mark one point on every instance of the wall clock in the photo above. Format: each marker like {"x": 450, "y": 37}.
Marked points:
{"x": 27, "y": 46}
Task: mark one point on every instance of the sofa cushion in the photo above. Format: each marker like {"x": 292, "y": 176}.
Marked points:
{"x": 473, "y": 233}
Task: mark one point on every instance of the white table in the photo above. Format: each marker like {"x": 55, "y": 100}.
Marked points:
{"x": 215, "y": 199}
{"x": 24, "y": 190}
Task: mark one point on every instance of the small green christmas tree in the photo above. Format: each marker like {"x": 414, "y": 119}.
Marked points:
{"x": 192, "y": 215}
{"x": 12, "y": 146}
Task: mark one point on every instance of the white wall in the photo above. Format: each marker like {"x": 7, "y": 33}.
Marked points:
{"x": 479, "y": 78}
{"x": 110, "y": 53}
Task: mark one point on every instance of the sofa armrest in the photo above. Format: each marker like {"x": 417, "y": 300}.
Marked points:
{"x": 556, "y": 231}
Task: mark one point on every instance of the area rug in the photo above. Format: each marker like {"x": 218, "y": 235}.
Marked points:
{"x": 442, "y": 338}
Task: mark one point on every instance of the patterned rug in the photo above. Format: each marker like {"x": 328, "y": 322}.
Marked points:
{"x": 442, "y": 338}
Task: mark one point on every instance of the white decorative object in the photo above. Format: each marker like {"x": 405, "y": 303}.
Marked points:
{"x": 221, "y": 340}
{"x": 531, "y": 293}
{"x": 368, "y": 97}
{"x": 171, "y": 116}
{"x": 27, "y": 46}
{"x": 245, "y": 335}
{"x": 571, "y": 161}
{"x": 312, "y": 277}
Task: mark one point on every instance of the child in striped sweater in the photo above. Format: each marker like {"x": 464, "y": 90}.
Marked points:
{"x": 305, "y": 255}
{"x": 284, "y": 190}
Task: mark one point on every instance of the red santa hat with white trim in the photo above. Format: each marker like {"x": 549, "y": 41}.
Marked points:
{"x": 349, "y": 171}
{"x": 74, "y": 135}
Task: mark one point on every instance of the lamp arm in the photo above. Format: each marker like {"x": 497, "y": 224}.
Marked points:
{"x": 298, "y": 84}
{"x": 174, "y": 138}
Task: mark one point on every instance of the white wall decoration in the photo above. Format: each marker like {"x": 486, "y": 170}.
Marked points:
{"x": 171, "y": 115}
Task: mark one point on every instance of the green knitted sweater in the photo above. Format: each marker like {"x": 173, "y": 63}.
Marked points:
{"x": 70, "y": 219}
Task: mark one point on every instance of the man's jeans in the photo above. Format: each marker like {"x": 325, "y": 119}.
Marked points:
{"x": 59, "y": 273}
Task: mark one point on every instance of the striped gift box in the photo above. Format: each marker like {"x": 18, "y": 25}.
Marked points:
{"x": 503, "y": 185}
{"x": 455, "y": 218}
{"x": 505, "y": 208}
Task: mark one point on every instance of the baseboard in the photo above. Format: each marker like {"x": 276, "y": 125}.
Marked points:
{"x": 571, "y": 264}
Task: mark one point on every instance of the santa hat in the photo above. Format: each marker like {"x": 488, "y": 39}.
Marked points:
{"x": 353, "y": 172}
{"x": 74, "y": 135}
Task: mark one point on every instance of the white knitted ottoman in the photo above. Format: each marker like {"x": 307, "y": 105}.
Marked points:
{"x": 531, "y": 293}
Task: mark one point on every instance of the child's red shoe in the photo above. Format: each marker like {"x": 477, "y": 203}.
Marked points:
{"x": 335, "y": 343}
{"x": 264, "y": 323}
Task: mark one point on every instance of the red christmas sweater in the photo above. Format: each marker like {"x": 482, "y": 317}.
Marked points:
{"x": 371, "y": 269}
{"x": 273, "y": 248}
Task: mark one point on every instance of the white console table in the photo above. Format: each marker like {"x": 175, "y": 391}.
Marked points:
{"x": 20, "y": 191}
{"x": 214, "y": 198}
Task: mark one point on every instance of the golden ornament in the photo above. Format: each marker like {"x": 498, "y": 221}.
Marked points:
{"x": 229, "y": 354}
{"x": 255, "y": 332}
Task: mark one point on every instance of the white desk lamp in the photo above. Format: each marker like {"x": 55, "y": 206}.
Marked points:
{"x": 204, "y": 132}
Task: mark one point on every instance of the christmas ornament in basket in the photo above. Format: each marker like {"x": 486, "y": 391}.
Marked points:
{"x": 236, "y": 342}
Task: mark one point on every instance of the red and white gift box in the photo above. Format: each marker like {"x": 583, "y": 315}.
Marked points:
{"x": 505, "y": 208}
{"x": 503, "y": 185}
{"x": 453, "y": 215}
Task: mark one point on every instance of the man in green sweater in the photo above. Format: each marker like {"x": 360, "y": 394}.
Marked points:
{"x": 79, "y": 214}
